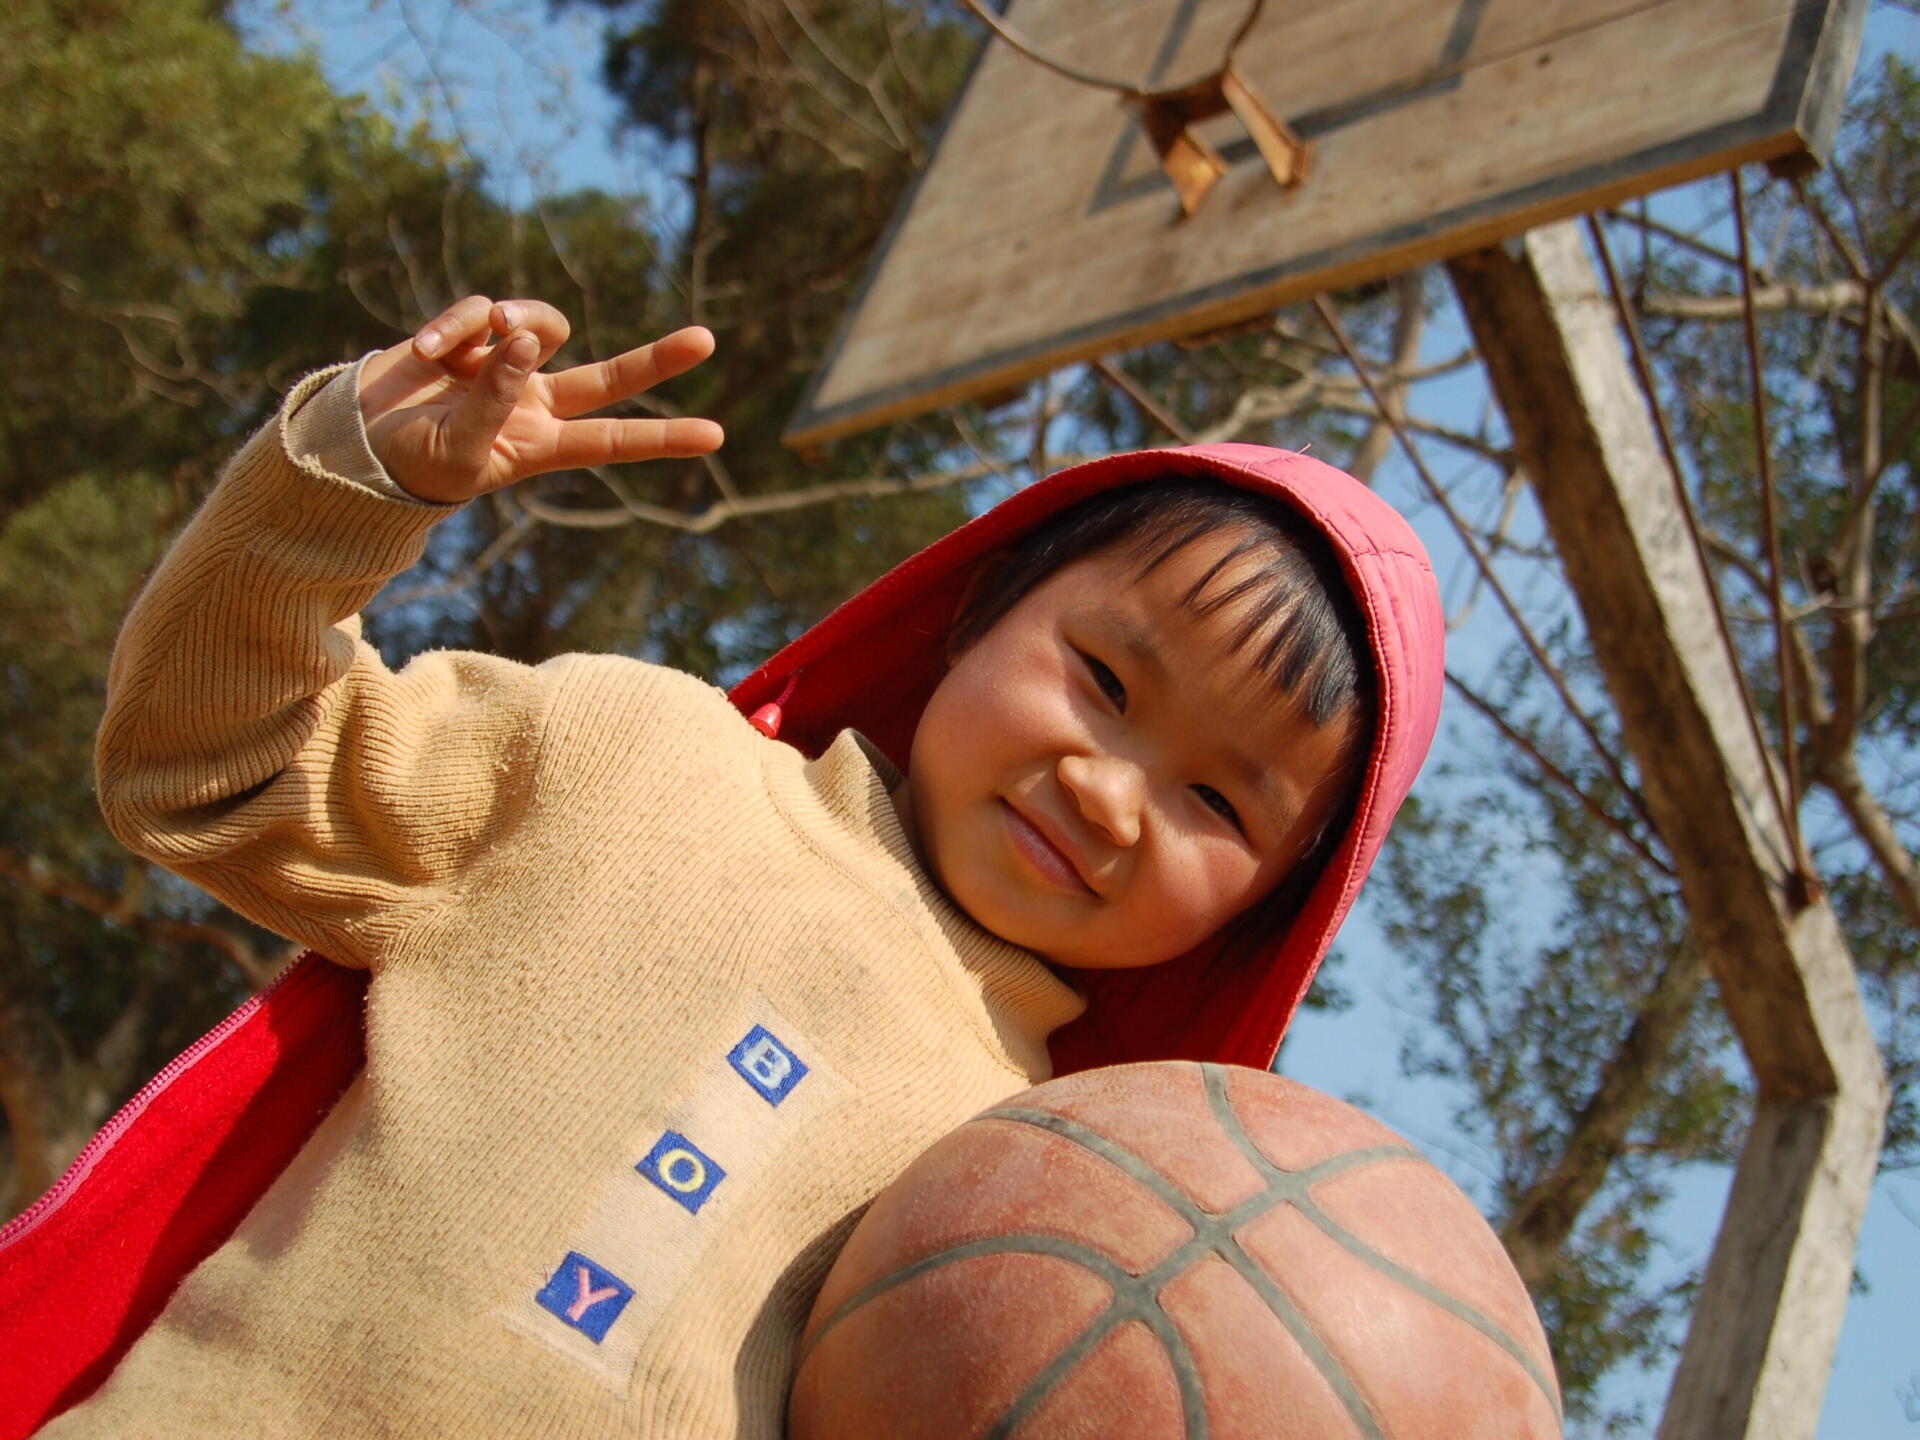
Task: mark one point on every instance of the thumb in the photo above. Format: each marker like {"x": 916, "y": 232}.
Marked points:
{"x": 495, "y": 390}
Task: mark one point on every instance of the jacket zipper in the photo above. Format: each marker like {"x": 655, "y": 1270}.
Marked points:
{"x": 123, "y": 1118}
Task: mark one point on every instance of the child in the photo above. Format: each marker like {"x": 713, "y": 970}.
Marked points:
{"x": 658, "y": 1003}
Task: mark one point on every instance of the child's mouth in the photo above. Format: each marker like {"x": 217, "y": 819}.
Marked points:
{"x": 1053, "y": 863}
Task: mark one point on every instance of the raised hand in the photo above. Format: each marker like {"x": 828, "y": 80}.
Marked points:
{"x": 452, "y": 416}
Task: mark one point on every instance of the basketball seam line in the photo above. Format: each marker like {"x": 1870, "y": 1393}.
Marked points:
{"x": 1131, "y": 1300}
{"x": 1214, "y": 1234}
{"x": 1137, "y": 1297}
{"x": 1108, "y": 1270}
{"x": 1354, "y": 1245}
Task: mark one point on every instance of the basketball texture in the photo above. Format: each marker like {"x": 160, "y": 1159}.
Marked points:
{"x": 1173, "y": 1250}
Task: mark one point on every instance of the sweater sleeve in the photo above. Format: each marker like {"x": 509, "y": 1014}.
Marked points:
{"x": 325, "y": 429}
{"x": 256, "y": 745}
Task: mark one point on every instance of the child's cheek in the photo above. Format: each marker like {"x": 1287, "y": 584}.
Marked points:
{"x": 1016, "y": 694}
{"x": 1209, "y": 882}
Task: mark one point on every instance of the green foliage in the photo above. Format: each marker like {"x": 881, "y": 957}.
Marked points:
{"x": 792, "y": 174}
{"x": 186, "y": 225}
{"x": 69, "y": 563}
{"x": 1569, "y": 1007}
{"x": 146, "y": 168}
{"x": 1539, "y": 939}
{"x": 1815, "y": 395}
{"x": 176, "y": 213}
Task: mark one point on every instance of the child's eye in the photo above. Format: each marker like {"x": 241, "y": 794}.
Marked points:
{"x": 1108, "y": 682}
{"x": 1219, "y": 804}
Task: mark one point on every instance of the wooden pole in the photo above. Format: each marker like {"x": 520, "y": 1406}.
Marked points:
{"x": 1761, "y": 1341}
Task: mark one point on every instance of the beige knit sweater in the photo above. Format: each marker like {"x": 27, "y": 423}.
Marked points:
{"x": 657, "y": 1005}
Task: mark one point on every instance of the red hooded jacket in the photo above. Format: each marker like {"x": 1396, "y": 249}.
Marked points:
{"x": 88, "y": 1266}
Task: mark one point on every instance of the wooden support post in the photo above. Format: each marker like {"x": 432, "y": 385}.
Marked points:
{"x": 1761, "y": 1341}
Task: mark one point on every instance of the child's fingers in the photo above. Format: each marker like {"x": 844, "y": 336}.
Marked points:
{"x": 489, "y": 400}
{"x": 588, "y": 387}
{"x": 461, "y": 323}
{"x": 610, "y": 442}
{"x": 549, "y": 326}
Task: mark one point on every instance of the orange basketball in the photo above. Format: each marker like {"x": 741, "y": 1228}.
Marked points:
{"x": 1173, "y": 1250}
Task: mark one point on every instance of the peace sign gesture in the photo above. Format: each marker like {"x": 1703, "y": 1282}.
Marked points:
{"x": 452, "y": 416}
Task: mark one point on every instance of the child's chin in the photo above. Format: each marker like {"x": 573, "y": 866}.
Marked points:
{"x": 1073, "y": 960}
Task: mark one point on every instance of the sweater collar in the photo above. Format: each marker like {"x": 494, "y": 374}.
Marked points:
{"x": 843, "y": 802}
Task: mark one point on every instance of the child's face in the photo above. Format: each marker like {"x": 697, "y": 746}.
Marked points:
{"x": 1099, "y": 780}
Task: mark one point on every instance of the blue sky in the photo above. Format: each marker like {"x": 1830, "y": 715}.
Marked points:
{"x": 520, "y": 89}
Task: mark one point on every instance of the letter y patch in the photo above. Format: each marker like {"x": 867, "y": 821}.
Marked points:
{"x": 585, "y": 1296}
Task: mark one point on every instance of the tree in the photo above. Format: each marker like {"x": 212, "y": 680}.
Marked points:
{"x": 1592, "y": 1051}
{"x": 1589, "y": 1040}
{"x": 188, "y": 226}
{"x": 191, "y": 225}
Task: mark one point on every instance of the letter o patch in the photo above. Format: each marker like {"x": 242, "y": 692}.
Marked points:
{"x": 683, "y": 1170}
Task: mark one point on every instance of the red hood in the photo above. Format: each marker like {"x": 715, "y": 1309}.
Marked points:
{"x": 872, "y": 664}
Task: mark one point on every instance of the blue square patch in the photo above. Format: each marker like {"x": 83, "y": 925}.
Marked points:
{"x": 585, "y": 1296}
{"x": 682, "y": 1169}
{"x": 767, "y": 1065}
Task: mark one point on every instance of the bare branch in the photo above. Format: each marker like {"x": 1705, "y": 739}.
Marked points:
{"x": 1840, "y": 775}
{"x": 982, "y": 451}
{"x": 1484, "y": 565}
{"x": 1409, "y": 324}
{"x": 842, "y": 110}
{"x": 1261, "y": 405}
{"x": 355, "y": 276}
{"x": 1837, "y": 297}
{"x": 1862, "y": 498}
{"x": 1647, "y": 225}
{"x": 1311, "y": 345}
{"x": 519, "y": 529}
{"x": 911, "y": 82}
{"x": 1141, "y": 397}
{"x": 1898, "y": 253}
{"x": 1553, "y": 772}
{"x": 633, "y": 510}
{"x": 37, "y": 875}
{"x": 1500, "y": 455}
{"x": 1843, "y": 247}
{"x": 1542, "y": 1218}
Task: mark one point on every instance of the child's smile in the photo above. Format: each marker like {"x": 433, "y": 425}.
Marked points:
{"x": 1101, "y": 780}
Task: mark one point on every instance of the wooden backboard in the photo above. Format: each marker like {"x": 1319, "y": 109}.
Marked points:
{"x": 1042, "y": 231}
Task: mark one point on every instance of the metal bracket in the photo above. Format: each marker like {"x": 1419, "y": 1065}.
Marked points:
{"x": 1194, "y": 166}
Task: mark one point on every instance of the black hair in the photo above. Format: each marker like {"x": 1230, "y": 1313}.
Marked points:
{"x": 1311, "y": 637}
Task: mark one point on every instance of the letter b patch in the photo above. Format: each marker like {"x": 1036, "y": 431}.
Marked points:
{"x": 767, "y": 1065}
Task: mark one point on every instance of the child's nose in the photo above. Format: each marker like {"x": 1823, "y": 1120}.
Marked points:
{"x": 1109, "y": 792}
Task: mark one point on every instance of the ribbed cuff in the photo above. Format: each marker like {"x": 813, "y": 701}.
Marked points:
{"x": 326, "y": 429}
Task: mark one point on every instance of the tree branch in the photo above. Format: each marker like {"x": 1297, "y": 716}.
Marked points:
{"x": 34, "y": 873}
{"x": 1409, "y": 324}
{"x": 24, "y": 1102}
{"x": 633, "y": 510}
{"x": 903, "y": 135}
{"x": 1648, "y": 225}
{"x": 1560, "y": 777}
{"x": 1840, "y": 775}
{"x": 1542, "y": 1218}
{"x": 1138, "y": 393}
{"x": 1834, "y": 297}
